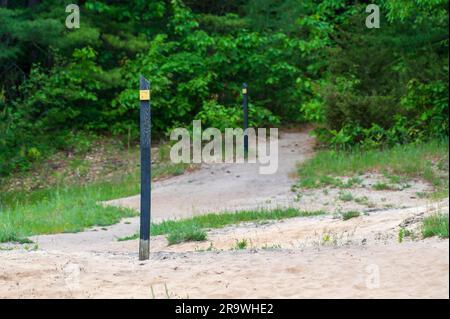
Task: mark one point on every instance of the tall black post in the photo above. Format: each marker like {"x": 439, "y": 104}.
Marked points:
{"x": 245, "y": 106}
{"x": 145, "y": 130}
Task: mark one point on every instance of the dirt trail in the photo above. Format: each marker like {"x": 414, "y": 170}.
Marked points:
{"x": 212, "y": 188}
{"x": 319, "y": 257}
{"x": 220, "y": 187}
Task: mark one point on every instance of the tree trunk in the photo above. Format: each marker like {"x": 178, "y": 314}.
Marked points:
{"x": 4, "y": 3}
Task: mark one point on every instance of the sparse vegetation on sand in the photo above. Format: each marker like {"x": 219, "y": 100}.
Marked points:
{"x": 189, "y": 228}
{"x": 403, "y": 233}
{"x": 346, "y": 196}
{"x": 435, "y": 225}
{"x": 73, "y": 204}
{"x": 383, "y": 186}
{"x": 241, "y": 244}
{"x": 424, "y": 160}
{"x": 350, "y": 214}
{"x": 187, "y": 233}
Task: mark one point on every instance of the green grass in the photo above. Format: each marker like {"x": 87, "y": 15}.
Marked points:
{"x": 399, "y": 180}
{"x": 403, "y": 233}
{"x": 213, "y": 220}
{"x": 435, "y": 225}
{"x": 412, "y": 161}
{"x": 115, "y": 187}
{"x": 383, "y": 186}
{"x": 440, "y": 193}
{"x": 188, "y": 233}
{"x": 64, "y": 211}
{"x": 72, "y": 208}
{"x": 241, "y": 244}
{"x": 316, "y": 181}
{"x": 350, "y": 214}
{"x": 130, "y": 237}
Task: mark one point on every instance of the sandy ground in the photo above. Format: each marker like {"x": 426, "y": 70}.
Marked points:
{"x": 219, "y": 187}
{"x": 305, "y": 257}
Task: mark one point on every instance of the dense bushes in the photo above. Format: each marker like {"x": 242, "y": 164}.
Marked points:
{"x": 303, "y": 61}
{"x": 385, "y": 86}
{"x": 199, "y": 74}
{"x": 195, "y": 75}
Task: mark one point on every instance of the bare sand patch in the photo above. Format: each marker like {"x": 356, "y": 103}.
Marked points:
{"x": 408, "y": 270}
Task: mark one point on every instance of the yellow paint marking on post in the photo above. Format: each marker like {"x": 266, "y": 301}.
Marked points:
{"x": 144, "y": 95}
{"x": 244, "y": 91}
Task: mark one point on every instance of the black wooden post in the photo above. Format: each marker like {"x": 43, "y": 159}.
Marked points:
{"x": 145, "y": 130}
{"x": 245, "y": 106}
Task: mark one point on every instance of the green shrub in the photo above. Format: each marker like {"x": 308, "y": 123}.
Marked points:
{"x": 381, "y": 87}
{"x": 221, "y": 117}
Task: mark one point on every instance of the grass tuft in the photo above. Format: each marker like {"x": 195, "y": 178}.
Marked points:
{"x": 435, "y": 225}
{"x": 346, "y": 196}
{"x": 189, "y": 233}
{"x": 241, "y": 244}
{"x": 350, "y": 214}
{"x": 383, "y": 186}
{"x": 7, "y": 234}
{"x": 403, "y": 233}
{"x": 130, "y": 237}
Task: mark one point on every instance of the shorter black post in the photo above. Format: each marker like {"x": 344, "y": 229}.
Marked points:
{"x": 245, "y": 106}
{"x": 145, "y": 131}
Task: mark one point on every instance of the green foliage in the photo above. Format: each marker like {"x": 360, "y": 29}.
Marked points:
{"x": 203, "y": 80}
{"x": 428, "y": 102}
{"x": 313, "y": 111}
{"x": 403, "y": 9}
{"x": 218, "y": 116}
{"x": 215, "y": 115}
{"x": 387, "y": 85}
{"x": 222, "y": 24}
{"x": 52, "y": 105}
{"x": 311, "y": 61}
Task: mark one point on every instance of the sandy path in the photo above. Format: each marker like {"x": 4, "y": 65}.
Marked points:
{"x": 219, "y": 187}
{"x": 319, "y": 257}
{"x": 213, "y": 188}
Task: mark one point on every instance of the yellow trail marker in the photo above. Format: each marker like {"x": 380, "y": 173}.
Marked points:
{"x": 144, "y": 95}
